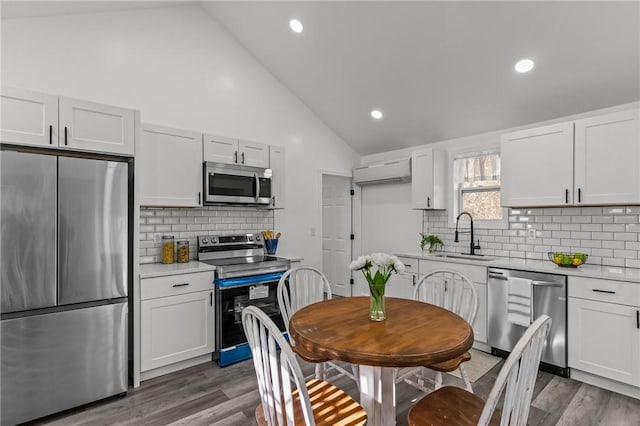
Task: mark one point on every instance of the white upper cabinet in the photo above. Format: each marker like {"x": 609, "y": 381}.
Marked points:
{"x": 428, "y": 179}
{"x": 170, "y": 167}
{"x": 607, "y": 159}
{"x": 220, "y": 149}
{"x": 593, "y": 161}
{"x": 276, "y": 160}
{"x": 537, "y": 166}
{"x": 28, "y": 118}
{"x": 37, "y": 119}
{"x": 253, "y": 154}
{"x": 89, "y": 126}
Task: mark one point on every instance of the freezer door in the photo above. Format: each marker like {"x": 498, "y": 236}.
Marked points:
{"x": 92, "y": 230}
{"x": 27, "y": 230}
{"x": 61, "y": 360}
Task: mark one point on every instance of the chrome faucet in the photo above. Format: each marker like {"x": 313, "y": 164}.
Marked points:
{"x": 473, "y": 247}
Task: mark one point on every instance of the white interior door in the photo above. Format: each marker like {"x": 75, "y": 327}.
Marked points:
{"x": 336, "y": 231}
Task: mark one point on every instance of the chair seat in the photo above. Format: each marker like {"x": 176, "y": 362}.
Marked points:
{"x": 331, "y": 407}
{"x": 451, "y": 365}
{"x": 308, "y": 356}
{"x": 449, "y": 406}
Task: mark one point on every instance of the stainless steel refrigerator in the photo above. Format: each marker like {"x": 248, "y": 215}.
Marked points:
{"x": 64, "y": 276}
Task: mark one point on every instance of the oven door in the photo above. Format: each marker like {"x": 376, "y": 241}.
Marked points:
{"x": 227, "y": 183}
{"x": 233, "y": 295}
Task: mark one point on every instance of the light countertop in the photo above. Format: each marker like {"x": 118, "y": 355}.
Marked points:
{"x": 545, "y": 266}
{"x": 149, "y": 270}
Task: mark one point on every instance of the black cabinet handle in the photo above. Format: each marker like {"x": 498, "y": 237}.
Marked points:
{"x": 211, "y": 299}
{"x": 199, "y": 198}
{"x": 273, "y": 201}
{"x": 566, "y": 196}
{"x": 65, "y": 135}
{"x": 428, "y": 201}
{"x": 235, "y": 157}
{"x": 579, "y": 195}
{"x": 180, "y": 285}
{"x": 603, "y": 291}
{"x": 243, "y": 158}
{"x": 637, "y": 319}
{"x": 50, "y": 134}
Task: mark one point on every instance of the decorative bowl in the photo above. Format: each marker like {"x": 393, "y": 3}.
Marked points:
{"x": 567, "y": 260}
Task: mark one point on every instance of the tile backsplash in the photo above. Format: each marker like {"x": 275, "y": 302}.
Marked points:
{"x": 609, "y": 235}
{"x": 187, "y": 224}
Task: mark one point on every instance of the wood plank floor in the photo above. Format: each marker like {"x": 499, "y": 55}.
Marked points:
{"x": 209, "y": 395}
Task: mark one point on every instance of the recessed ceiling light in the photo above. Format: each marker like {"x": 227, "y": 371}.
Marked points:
{"x": 377, "y": 114}
{"x": 296, "y": 26}
{"x": 524, "y": 65}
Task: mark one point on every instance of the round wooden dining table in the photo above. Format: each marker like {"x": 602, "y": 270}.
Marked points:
{"x": 413, "y": 334}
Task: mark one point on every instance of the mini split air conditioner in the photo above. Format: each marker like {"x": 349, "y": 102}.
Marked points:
{"x": 387, "y": 172}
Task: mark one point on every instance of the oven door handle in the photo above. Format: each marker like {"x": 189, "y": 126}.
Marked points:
{"x": 247, "y": 281}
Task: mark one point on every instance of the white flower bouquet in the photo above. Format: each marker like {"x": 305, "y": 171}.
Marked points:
{"x": 385, "y": 265}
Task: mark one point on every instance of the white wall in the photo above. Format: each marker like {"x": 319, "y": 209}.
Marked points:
{"x": 180, "y": 68}
{"x": 390, "y": 223}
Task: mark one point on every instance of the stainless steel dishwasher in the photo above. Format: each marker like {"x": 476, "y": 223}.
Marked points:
{"x": 548, "y": 297}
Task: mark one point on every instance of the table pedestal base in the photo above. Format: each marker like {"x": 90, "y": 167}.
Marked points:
{"x": 378, "y": 394}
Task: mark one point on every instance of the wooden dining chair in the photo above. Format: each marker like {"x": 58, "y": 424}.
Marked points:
{"x": 299, "y": 287}
{"x": 286, "y": 398}
{"x": 455, "y": 406}
{"x": 455, "y": 292}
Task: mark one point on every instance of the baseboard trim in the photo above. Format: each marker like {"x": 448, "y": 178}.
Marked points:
{"x": 602, "y": 382}
{"x": 161, "y": 371}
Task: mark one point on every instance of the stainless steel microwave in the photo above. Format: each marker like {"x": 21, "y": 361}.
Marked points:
{"x": 236, "y": 184}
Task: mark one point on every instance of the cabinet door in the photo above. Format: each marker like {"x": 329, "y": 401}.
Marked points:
{"x": 170, "y": 167}
{"x": 401, "y": 285}
{"x": 422, "y": 179}
{"x": 28, "y": 118}
{"x": 428, "y": 179}
{"x": 220, "y": 149}
{"x": 175, "y": 328}
{"x": 253, "y": 154}
{"x": 89, "y": 126}
{"x": 537, "y": 166}
{"x": 276, "y": 163}
{"x": 607, "y": 159}
{"x": 604, "y": 340}
{"x": 480, "y": 324}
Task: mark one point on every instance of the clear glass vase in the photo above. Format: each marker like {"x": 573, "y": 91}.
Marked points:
{"x": 377, "y": 310}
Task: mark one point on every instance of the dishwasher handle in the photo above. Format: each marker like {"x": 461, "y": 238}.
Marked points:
{"x": 545, "y": 284}
{"x": 534, "y": 282}
{"x": 498, "y": 277}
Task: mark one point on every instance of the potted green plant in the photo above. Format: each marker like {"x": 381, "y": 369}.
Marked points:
{"x": 433, "y": 241}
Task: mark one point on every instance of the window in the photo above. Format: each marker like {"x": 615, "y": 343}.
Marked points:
{"x": 477, "y": 187}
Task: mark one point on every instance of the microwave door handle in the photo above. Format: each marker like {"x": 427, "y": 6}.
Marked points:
{"x": 257, "y": 186}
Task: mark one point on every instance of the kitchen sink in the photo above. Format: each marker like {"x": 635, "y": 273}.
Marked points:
{"x": 479, "y": 257}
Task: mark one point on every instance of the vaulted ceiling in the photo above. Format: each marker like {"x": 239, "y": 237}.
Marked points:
{"x": 437, "y": 70}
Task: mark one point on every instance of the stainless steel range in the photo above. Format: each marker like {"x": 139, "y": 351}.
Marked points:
{"x": 244, "y": 277}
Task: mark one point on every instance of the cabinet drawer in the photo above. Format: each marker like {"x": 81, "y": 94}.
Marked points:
{"x": 621, "y": 292}
{"x": 477, "y": 274}
{"x": 170, "y": 285}
{"x": 410, "y": 264}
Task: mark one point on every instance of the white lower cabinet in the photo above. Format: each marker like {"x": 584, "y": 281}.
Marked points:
{"x": 401, "y": 285}
{"x": 604, "y": 337}
{"x": 478, "y": 276}
{"x": 177, "y": 321}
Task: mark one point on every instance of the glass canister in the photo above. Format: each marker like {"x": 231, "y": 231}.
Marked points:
{"x": 183, "y": 251}
{"x": 168, "y": 246}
